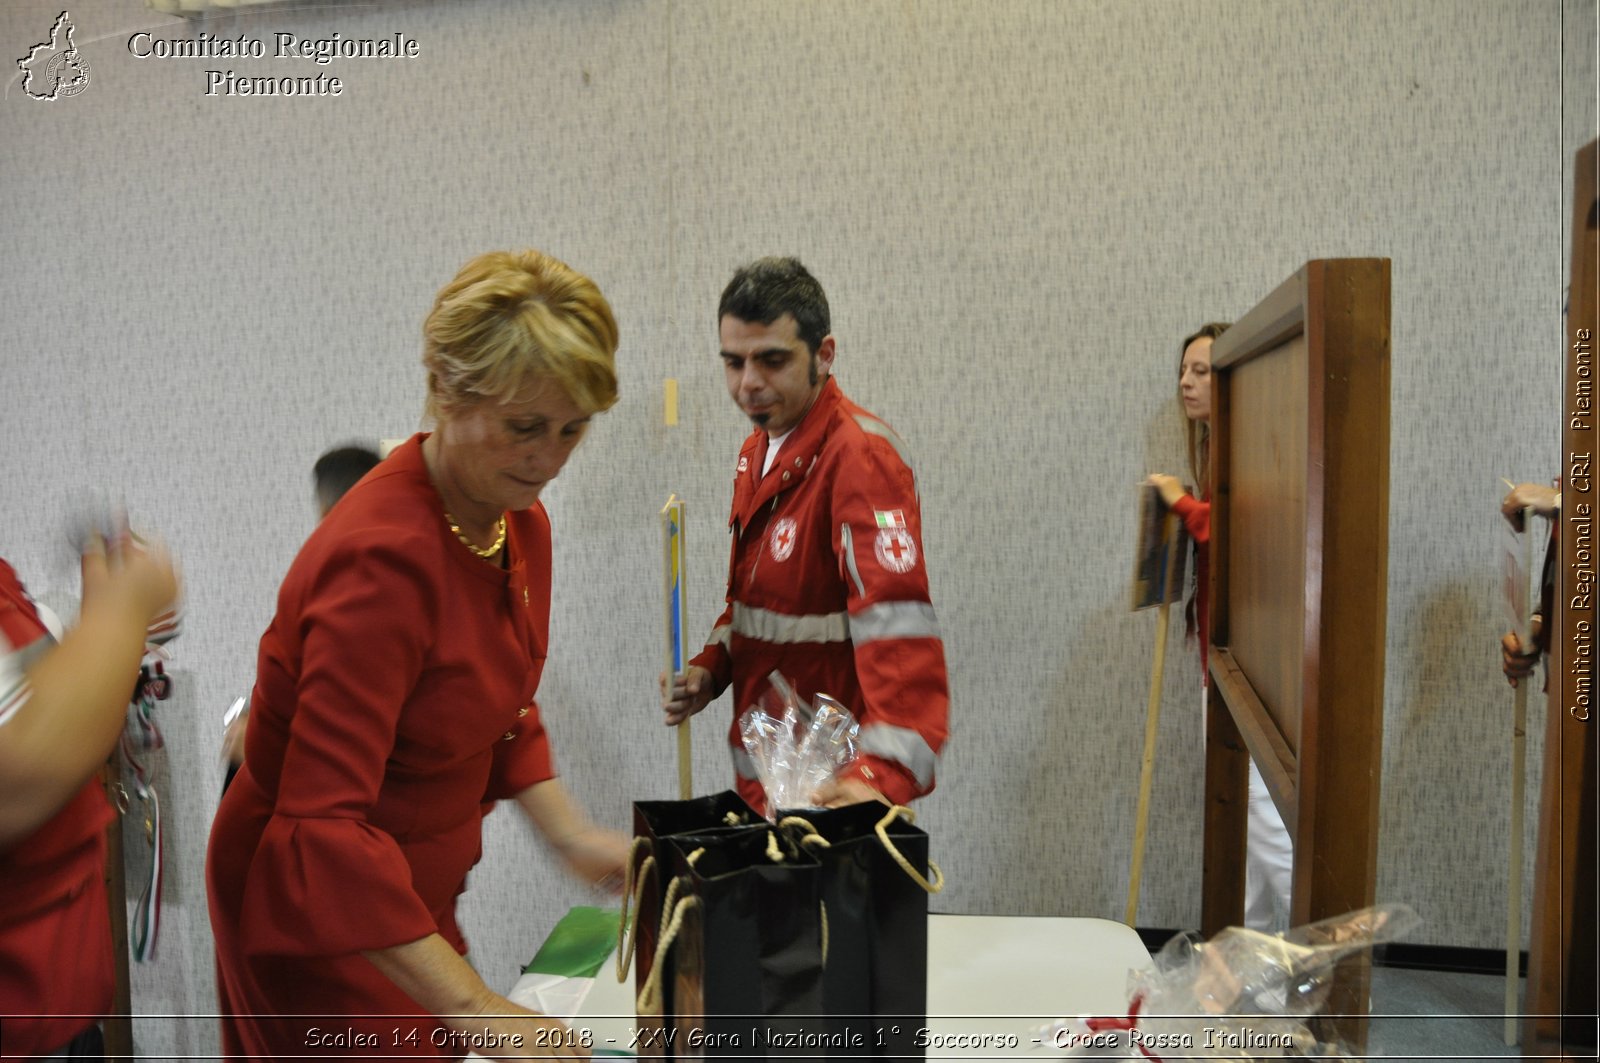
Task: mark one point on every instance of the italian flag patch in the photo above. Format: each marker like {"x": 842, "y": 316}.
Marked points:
{"x": 891, "y": 518}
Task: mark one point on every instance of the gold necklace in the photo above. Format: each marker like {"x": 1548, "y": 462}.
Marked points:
{"x": 485, "y": 552}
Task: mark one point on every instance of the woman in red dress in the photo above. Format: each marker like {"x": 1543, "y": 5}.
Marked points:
{"x": 394, "y": 701}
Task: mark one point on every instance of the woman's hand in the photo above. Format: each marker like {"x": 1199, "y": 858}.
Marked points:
{"x": 598, "y": 857}
{"x": 433, "y": 974}
{"x": 1171, "y": 488}
{"x": 519, "y": 1033}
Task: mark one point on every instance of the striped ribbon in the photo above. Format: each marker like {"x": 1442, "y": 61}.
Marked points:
{"x": 141, "y": 738}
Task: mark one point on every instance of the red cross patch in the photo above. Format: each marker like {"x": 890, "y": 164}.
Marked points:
{"x": 896, "y": 550}
{"x": 782, "y": 541}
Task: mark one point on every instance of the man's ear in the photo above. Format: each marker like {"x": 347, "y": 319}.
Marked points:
{"x": 825, "y": 353}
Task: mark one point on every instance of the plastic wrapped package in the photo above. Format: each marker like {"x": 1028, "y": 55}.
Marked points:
{"x": 1242, "y": 995}
{"x": 796, "y": 748}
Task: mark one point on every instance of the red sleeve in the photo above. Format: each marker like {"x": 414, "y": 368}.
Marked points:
{"x": 324, "y": 879}
{"x": 714, "y": 656}
{"x": 20, "y": 629}
{"x": 1196, "y": 517}
{"x": 899, "y": 653}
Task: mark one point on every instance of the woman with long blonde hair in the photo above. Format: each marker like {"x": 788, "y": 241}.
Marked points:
{"x": 1269, "y": 853}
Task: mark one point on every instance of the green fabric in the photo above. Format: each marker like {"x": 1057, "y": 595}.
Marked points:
{"x": 578, "y": 945}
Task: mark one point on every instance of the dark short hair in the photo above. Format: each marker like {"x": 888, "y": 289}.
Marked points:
{"x": 766, "y": 289}
{"x": 338, "y": 470}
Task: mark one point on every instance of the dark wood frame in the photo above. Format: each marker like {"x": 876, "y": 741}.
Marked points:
{"x": 1299, "y": 573}
{"x": 1559, "y": 1008}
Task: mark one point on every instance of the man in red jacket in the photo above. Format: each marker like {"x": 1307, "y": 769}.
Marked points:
{"x": 828, "y": 584}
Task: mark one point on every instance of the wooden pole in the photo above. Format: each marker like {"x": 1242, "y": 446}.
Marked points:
{"x": 672, "y": 569}
{"x": 1519, "y": 720}
{"x": 685, "y": 763}
{"x": 1514, "y": 886}
{"x": 1147, "y": 767}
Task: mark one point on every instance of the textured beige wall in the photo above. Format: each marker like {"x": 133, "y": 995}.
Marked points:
{"x": 1017, "y": 209}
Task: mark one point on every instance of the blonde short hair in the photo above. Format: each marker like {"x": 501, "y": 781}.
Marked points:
{"x": 511, "y": 319}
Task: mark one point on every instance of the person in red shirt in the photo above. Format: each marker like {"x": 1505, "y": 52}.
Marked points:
{"x": 394, "y": 701}
{"x": 1269, "y": 859}
{"x": 62, "y": 707}
{"x": 828, "y": 583}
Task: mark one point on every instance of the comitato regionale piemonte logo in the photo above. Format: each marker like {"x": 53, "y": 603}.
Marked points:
{"x": 55, "y": 69}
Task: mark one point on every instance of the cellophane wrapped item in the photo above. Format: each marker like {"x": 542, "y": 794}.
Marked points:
{"x": 796, "y": 747}
{"x": 1242, "y": 995}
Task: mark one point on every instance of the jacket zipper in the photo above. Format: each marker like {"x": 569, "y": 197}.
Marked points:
{"x": 761, "y": 546}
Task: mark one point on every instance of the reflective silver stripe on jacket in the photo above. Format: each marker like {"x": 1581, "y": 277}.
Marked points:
{"x": 894, "y": 620}
{"x": 781, "y": 628}
{"x": 903, "y": 746}
{"x": 885, "y": 620}
{"x": 722, "y": 635}
{"x": 847, "y": 545}
{"x": 876, "y": 427}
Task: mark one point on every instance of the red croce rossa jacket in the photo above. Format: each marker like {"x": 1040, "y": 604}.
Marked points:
{"x": 828, "y": 585}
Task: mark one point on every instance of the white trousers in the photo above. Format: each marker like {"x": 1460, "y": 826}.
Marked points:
{"x": 1269, "y": 854}
{"x": 1269, "y": 861}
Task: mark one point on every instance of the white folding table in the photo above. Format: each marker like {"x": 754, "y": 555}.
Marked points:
{"x": 992, "y": 981}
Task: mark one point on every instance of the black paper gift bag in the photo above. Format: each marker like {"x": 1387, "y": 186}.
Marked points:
{"x": 649, "y": 868}
{"x": 876, "y": 878}
{"x": 740, "y": 948}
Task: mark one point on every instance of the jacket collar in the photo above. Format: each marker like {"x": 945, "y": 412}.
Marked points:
{"x": 751, "y": 490}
